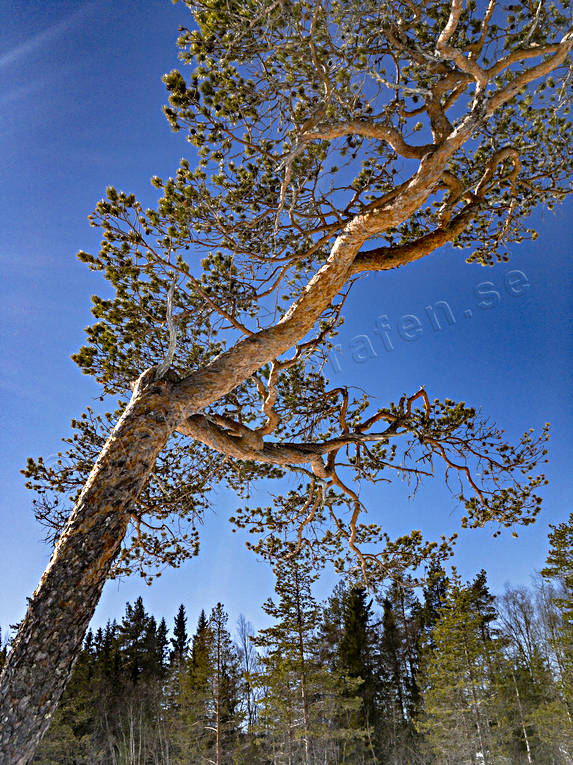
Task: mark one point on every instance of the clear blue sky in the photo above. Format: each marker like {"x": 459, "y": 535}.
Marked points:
{"x": 81, "y": 99}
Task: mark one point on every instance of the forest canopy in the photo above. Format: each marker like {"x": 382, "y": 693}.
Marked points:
{"x": 444, "y": 675}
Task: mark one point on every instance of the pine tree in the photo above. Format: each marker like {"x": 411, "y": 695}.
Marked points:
{"x": 308, "y": 707}
{"x": 276, "y": 100}
{"x": 459, "y": 707}
{"x": 559, "y": 572}
{"x": 555, "y": 717}
{"x": 287, "y": 671}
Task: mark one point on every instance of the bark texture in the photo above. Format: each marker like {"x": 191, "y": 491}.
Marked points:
{"x": 43, "y": 655}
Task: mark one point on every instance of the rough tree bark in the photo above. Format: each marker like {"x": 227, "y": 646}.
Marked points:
{"x": 42, "y": 656}
{"x": 40, "y": 663}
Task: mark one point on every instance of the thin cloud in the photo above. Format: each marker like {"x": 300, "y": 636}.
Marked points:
{"x": 40, "y": 40}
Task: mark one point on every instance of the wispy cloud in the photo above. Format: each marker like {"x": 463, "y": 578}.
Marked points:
{"x": 38, "y": 41}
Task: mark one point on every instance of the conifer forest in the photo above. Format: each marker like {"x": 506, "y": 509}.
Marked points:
{"x": 448, "y": 674}
{"x": 327, "y": 143}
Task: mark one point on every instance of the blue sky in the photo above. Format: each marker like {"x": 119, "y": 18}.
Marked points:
{"x": 80, "y": 100}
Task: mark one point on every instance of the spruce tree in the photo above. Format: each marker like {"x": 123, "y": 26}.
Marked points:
{"x": 398, "y": 691}
{"x": 225, "y": 687}
{"x": 180, "y": 639}
{"x": 175, "y": 683}
{"x": 357, "y": 659}
{"x": 161, "y": 647}
{"x": 199, "y": 739}
{"x": 3, "y": 650}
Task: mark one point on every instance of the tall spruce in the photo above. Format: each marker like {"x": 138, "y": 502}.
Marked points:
{"x": 3, "y": 649}
{"x": 180, "y": 639}
{"x": 199, "y": 739}
{"x": 224, "y": 688}
{"x": 397, "y": 669}
{"x": 357, "y": 659}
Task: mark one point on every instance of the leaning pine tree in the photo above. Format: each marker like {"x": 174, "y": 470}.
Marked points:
{"x": 332, "y": 138}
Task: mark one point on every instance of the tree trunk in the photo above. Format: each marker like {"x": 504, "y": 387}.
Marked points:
{"x": 303, "y": 688}
{"x": 43, "y": 655}
{"x": 60, "y": 610}
{"x": 521, "y": 718}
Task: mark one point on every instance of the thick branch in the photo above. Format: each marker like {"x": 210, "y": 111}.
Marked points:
{"x": 443, "y": 47}
{"x": 529, "y": 75}
{"x": 387, "y": 258}
{"x": 369, "y": 129}
{"x": 244, "y": 447}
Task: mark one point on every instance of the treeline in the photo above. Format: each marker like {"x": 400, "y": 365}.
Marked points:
{"x": 455, "y": 675}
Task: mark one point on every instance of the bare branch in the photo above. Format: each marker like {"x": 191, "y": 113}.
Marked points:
{"x": 170, "y": 355}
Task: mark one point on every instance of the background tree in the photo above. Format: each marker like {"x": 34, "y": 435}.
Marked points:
{"x": 357, "y": 660}
{"x": 473, "y": 663}
{"x": 249, "y": 663}
{"x": 3, "y": 649}
{"x": 554, "y": 718}
{"x": 180, "y": 639}
{"x": 320, "y": 130}
{"x": 225, "y": 687}
{"x": 559, "y": 607}
{"x": 307, "y": 707}
{"x": 397, "y": 670}
{"x": 288, "y": 671}
{"x": 173, "y": 695}
{"x": 198, "y": 737}
{"x": 458, "y": 709}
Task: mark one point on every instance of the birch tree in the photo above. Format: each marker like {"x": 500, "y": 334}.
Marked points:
{"x": 330, "y": 139}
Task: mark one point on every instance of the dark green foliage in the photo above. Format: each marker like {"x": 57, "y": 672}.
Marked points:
{"x": 180, "y": 639}
{"x": 356, "y": 650}
{"x": 352, "y": 681}
{"x": 3, "y": 650}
